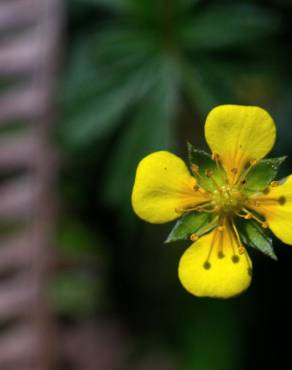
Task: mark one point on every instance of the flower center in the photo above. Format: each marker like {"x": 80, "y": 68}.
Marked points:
{"x": 228, "y": 200}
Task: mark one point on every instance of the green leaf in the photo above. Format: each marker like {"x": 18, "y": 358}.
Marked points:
{"x": 73, "y": 294}
{"x": 253, "y": 235}
{"x": 194, "y": 222}
{"x": 262, "y": 174}
{"x": 205, "y": 163}
{"x": 151, "y": 129}
{"x": 224, "y": 26}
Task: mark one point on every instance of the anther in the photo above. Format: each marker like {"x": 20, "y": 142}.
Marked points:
{"x": 209, "y": 173}
{"x": 248, "y": 216}
{"x": 194, "y": 237}
{"x": 220, "y": 255}
{"x": 253, "y": 162}
{"x": 235, "y": 259}
{"x": 282, "y": 200}
{"x": 234, "y": 171}
{"x": 265, "y": 225}
{"x": 207, "y": 265}
{"x": 241, "y": 250}
{"x": 221, "y": 228}
{"x": 274, "y": 184}
{"x": 215, "y": 157}
{"x": 195, "y": 168}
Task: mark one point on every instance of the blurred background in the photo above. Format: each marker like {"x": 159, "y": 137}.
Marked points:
{"x": 87, "y": 88}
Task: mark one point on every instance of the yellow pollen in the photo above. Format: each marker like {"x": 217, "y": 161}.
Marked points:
{"x": 241, "y": 250}
{"x": 195, "y": 168}
{"x": 274, "y": 184}
{"x": 215, "y": 156}
{"x": 194, "y": 237}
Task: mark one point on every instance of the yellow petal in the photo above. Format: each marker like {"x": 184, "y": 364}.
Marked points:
{"x": 163, "y": 184}
{"x": 239, "y": 134}
{"x": 276, "y": 207}
{"x": 223, "y": 278}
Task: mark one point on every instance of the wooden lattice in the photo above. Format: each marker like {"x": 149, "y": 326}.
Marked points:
{"x": 29, "y": 336}
{"x": 28, "y": 42}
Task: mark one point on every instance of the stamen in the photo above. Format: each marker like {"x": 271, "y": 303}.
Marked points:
{"x": 220, "y": 253}
{"x": 203, "y": 192}
{"x": 195, "y": 169}
{"x": 239, "y": 244}
{"x": 241, "y": 250}
{"x": 274, "y": 184}
{"x": 250, "y": 215}
{"x": 235, "y": 259}
{"x": 282, "y": 200}
{"x": 202, "y": 207}
{"x": 207, "y": 264}
{"x": 215, "y": 157}
{"x": 194, "y": 237}
{"x": 209, "y": 174}
{"x": 221, "y": 171}
{"x": 267, "y": 201}
{"x": 243, "y": 175}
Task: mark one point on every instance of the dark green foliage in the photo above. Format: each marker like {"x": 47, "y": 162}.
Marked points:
{"x": 194, "y": 222}
{"x": 253, "y": 235}
{"x": 261, "y": 175}
{"x": 140, "y": 63}
{"x": 205, "y": 164}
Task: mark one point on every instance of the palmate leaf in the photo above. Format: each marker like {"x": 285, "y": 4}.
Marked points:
{"x": 204, "y": 163}
{"x": 91, "y": 118}
{"x": 228, "y": 25}
{"x": 261, "y": 175}
{"x": 151, "y": 129}
{"x": 253, "y": 235}
{"x": 193, "y": 222}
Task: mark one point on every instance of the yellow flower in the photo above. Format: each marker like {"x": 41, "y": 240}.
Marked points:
{"x": 226, "y": 201}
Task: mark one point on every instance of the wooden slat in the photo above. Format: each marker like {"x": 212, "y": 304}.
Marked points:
{"x": 20, "y": 55}
{"x": 17, "y": 297}
{"x": 17, "y": 198}
{"x": 18, "y": 12}
{"x": 18, "y": 153}
{"x": 22, "y": 104}
{"x": 18, "y": 344}
{"x": 16, "y": 251}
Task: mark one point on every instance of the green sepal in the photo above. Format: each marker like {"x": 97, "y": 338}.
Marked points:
{"x": 253, "y": 235}
{"x": 261, "y": 175}
{"x": 193, "y": 222}
{"x": 205, "y": 162}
